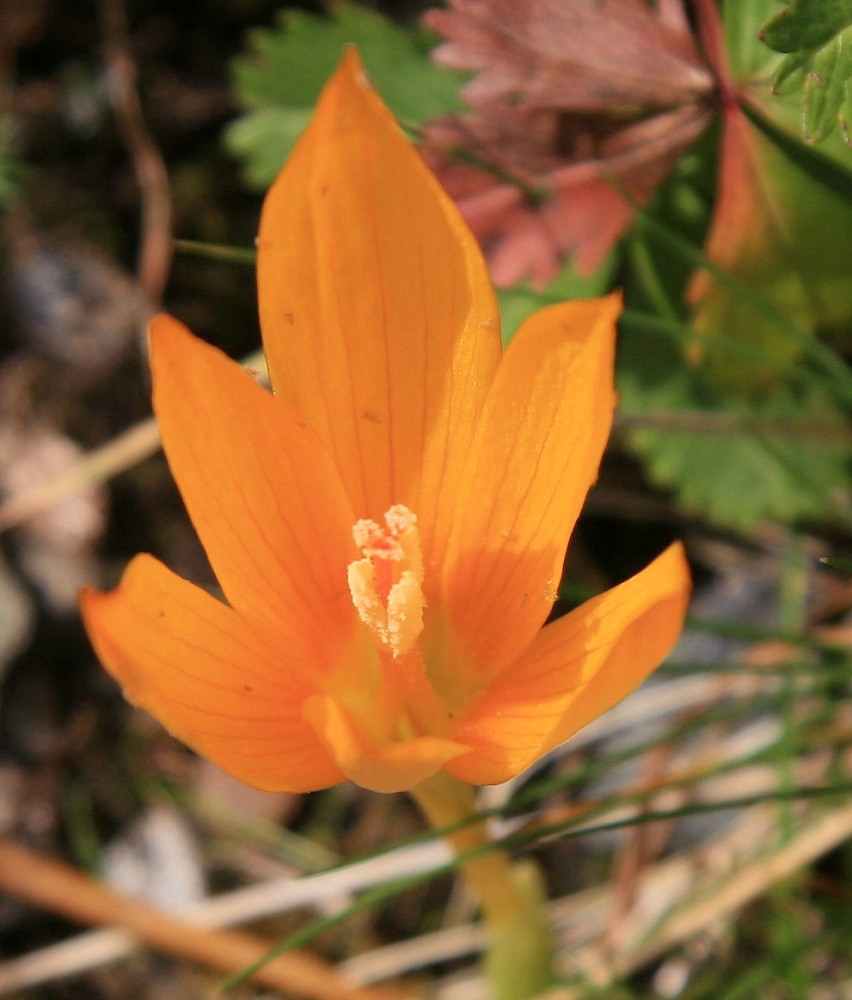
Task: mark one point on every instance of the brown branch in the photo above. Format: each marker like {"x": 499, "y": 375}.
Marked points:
{"x": 58, "y": 887}
{"x": 155, "y": 241}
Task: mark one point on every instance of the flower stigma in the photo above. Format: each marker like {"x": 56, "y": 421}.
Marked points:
{"x": 387, "y": 583}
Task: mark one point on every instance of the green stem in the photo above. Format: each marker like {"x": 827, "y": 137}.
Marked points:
{"x": 519, "y": 958}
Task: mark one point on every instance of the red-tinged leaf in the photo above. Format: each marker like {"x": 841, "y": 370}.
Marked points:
{"x": 589, "y": 55}
{"x": 532, "y": 204}
{"x": 579, "y": 111}
{"x": 777, "y": 228}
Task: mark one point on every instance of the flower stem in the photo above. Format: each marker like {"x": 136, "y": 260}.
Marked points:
{"x": 519, "y": 958}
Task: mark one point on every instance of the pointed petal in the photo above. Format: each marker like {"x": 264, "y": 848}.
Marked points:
{"x": 213, "y": 681}
{"x": 262, "y": 494}
{"x": 379, "y": 320}
{"x": 578, "y": 667}
{"x": 392, "y": 768}
{"x": 538, "y": 446}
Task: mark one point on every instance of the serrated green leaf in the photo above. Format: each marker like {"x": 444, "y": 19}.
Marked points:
{"x": 785, "y": 458}
{"x": 790, "y": 75}
{"x": 817, "y": 37}
{"x": 827, "y": 79}
{"x": 807, "y": 24}
{"x": 263, "y": 139}
{"x": 281, "y": 73}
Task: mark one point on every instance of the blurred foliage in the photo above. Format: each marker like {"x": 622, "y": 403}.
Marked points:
{"x": 731, "y": 337}
{"x": 816, "y": 38}
{"x": 756, "y": 352}
{"x": 785, "y": 457}
{"x": 284, "y": 68}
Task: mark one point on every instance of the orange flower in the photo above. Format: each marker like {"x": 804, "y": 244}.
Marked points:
{"x": 388, "y": 529}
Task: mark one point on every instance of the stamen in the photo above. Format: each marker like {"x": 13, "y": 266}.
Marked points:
{"x": 387, "y": 584}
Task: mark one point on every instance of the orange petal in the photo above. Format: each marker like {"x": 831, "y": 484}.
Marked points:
{"x": 262, "y": 494}
{"x": 379, "y": 320}
{"x": 578, "y": 667}
{"x": 541, "y": 436}
{"x": 213, "y": 681}
{"x": 395, "y": 767}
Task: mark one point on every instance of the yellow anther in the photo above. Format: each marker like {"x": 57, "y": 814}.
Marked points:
{"x": 387, "y": 584}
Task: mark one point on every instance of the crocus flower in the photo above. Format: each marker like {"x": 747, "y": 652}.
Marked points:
{"x": 388, "y": 528}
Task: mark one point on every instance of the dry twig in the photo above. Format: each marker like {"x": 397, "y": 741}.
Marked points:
{"x": 62, "y": 889}
{"x": 155, "y": 244}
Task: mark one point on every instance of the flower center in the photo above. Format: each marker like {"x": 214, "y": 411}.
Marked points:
{"x": 387, "y": 583}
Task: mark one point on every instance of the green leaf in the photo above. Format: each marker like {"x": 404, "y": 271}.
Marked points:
{"x": 788, "y": 247}
{"x": 841, "y": 565}
{"x": 283, "y": 69}
{"x": 790, "y": 75}
{"x": 816, "y": 36}
{"x": 785, "y": 457}
{"x": 807, "y": 24}
{"x": 830, "y": 172}
{"x": 827, "y": 85}
{"x": 263, "y": 138}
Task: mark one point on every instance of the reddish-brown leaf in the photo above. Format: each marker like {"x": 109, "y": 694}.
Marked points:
{"x": 579, "y": 107}
{"x": 589, "y": 55}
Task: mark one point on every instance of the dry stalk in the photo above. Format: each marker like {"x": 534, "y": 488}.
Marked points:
{"x": 62, "y": 889}
{"x": 155, "y": 250}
